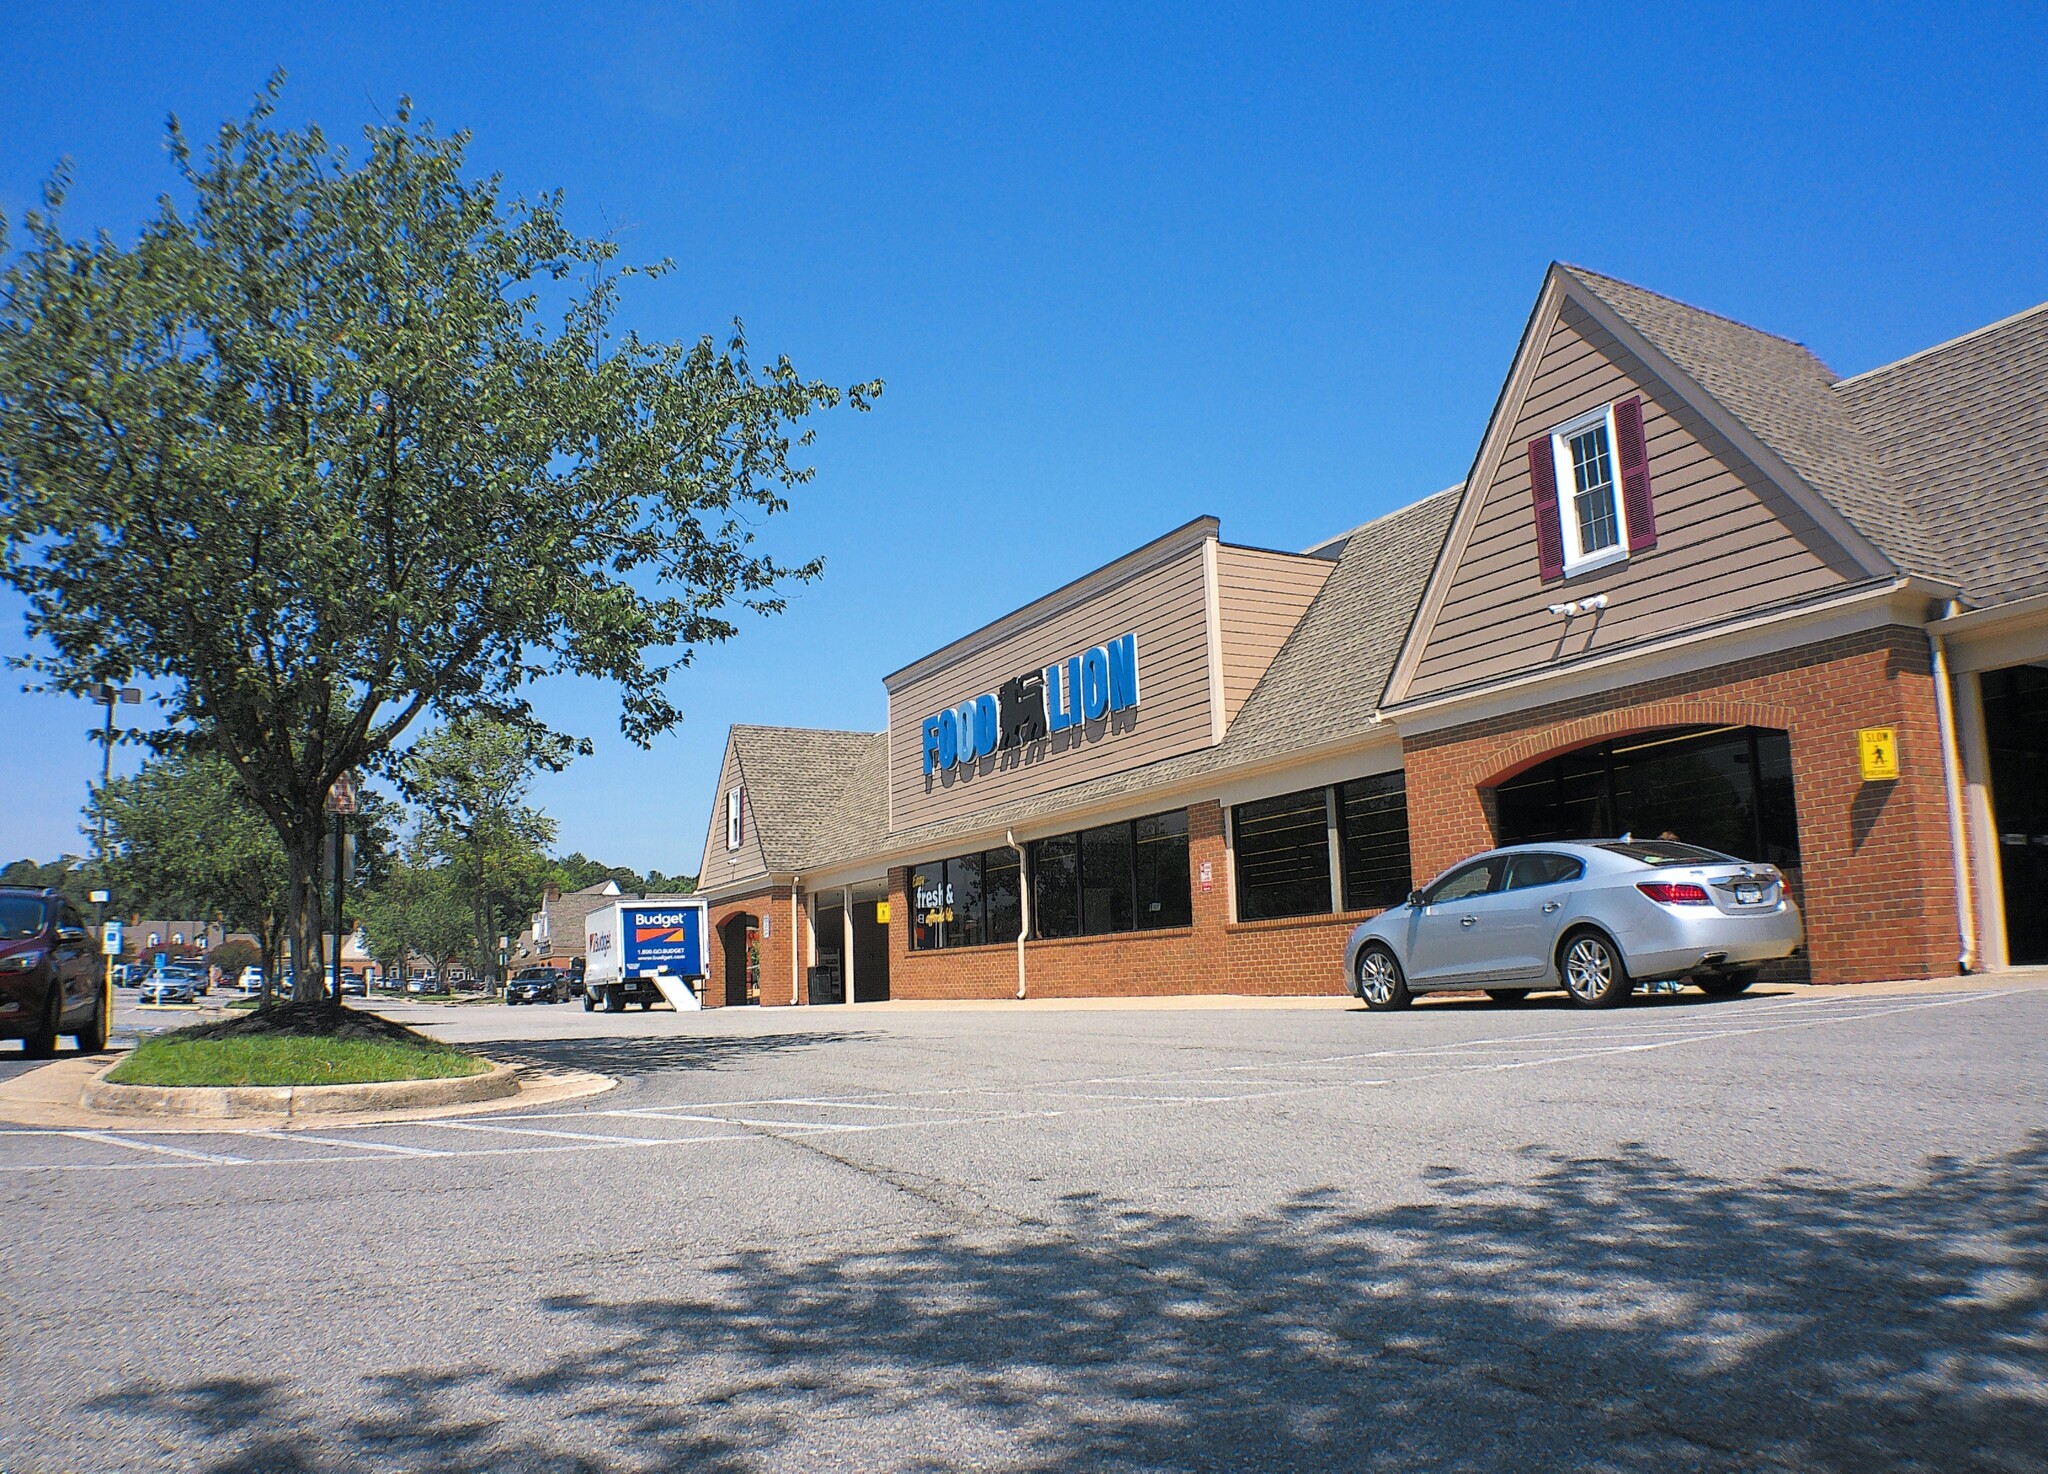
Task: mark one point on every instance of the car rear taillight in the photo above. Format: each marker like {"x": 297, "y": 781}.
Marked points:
{"x": 1675, "y": 893}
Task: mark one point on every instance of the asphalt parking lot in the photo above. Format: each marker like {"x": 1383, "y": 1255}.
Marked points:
{"x": 1781, "y": 1232}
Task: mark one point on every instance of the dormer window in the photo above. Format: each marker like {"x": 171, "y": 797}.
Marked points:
{"x": 1589, "y": 480}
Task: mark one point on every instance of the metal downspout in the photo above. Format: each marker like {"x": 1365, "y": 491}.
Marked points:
{"x": 796, "y": 937}
{"x": 1952, "y": 780}
{"x": 1023, "y": 907}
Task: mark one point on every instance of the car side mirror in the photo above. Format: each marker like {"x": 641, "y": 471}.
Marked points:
{"x": 1415, "y": 899}
{"x": 70, "y": 934}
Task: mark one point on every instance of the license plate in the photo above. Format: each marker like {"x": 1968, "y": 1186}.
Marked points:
{"x": 1749, "y": 895}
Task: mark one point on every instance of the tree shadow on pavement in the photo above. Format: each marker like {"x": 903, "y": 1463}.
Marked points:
{"x": 627, "y": 1057}
{"x": 1619, "y": 1315}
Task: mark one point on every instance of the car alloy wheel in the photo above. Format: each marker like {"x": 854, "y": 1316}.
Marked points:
{"x": 1380, "y": 983}
{"x": 1593, "y": 973}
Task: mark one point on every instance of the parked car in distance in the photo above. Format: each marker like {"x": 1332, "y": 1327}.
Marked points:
{"x": 352, "y": 984}
{"x": 251, "y": 980}
{"x": 1593, "y": 917}
{"x": 536, "y": 985}
{"x": 170, "y": 986}
{"x": 425, "y": 983}
{"x": 50, "y": 981}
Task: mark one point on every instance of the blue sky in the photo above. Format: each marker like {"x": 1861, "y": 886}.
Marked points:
{"x": 1119, "y": 265}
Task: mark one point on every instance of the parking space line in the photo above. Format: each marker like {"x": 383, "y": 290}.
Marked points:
{"x": 358, "y": 1145}
{"x": 222, "y": 1159}
{"x": 531, "y": 1131}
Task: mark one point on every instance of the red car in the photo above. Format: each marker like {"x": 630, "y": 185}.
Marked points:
{"x": 50, "y": 974}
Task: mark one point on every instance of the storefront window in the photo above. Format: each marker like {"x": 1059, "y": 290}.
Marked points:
{"x": 1108, "y": 888}
{"x": 963, "y": 878}
{"x": 1283, "y": 856}
{"x": 1056, "y": 887}
{"x": 1161, "y": 850}
{"x": 1372, "y": 827}
{"x": 1725, "y": 788}
{"x": 1002, "y": 894}
{"x": 1131, "y": 876}
{"x": 964, "y": 901}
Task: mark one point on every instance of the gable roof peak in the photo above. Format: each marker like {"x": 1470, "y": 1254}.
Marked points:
{"x": 1610, "y": 287}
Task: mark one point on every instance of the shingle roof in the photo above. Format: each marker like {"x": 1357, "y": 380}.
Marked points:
{"x": 1785, "y": 395}
{"x": 808, "y": 787}
{"x": 1962, "y": 429}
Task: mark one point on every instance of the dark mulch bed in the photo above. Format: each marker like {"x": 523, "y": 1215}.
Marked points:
{"x": 310, "y": 1020}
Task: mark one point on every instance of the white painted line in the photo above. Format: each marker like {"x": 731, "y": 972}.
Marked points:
{"x": 362, "y": 1145}
{"x": 532, "y": 1131}
{"x": 804, "y": 1126}
{"x": 222, "y": 1159}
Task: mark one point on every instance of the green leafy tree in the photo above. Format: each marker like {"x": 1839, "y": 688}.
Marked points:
{"x": 417, "y": 911}
{"x": 74, "y": 877}
{"x": 576, "y": 870}
{"x": 472, "y": 777}
{"x": 183, "y": 839}
{"x": 343, "y": 441}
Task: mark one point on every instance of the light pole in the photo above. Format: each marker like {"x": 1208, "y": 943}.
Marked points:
{"x": 107, "y": 695}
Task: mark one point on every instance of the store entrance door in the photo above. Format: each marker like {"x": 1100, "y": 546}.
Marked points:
{"x": 739, "y": 938}
{"x": 828, "y": 976}
{"x": 870, "y": 950}
{"x": 2016, "y": 734}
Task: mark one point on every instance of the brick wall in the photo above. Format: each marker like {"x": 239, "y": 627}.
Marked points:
{"x": 1878, "y": 891}
{"x": 771, "y": 902}
{"x": 1210, "y": 956}
{"x": 1878, "y": 883}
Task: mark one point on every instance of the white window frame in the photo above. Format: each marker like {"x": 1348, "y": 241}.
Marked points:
{"x": 735, "y": 819}
{"x": 1576, "y": 558}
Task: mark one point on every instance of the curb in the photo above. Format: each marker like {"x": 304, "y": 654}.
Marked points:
{"x": 228, "y": 1101}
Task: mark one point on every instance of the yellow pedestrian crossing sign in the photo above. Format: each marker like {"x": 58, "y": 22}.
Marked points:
{"x": 1878, "y": 748}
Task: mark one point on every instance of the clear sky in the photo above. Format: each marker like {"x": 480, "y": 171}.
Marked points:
{"x": 1119, "y": 265}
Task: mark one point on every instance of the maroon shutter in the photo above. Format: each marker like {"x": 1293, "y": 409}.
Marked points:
{"x": 1635, "y": 475}
{"x": 1543, "y": 492}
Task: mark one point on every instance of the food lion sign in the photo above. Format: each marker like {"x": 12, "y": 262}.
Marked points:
{"x": 1035, "y": 705}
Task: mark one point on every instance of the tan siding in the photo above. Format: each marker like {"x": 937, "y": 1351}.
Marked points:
{"x": 1261, "y": 597}
{"x": 1727, "y": 540}
{"x": 1165, "y": 605}
{"x": 722, "y": 867}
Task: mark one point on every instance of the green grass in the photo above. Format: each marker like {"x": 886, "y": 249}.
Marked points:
{"x": 289, "y": 1059}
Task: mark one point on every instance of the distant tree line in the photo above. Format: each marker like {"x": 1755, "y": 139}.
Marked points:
{"x": 442, "y": 870}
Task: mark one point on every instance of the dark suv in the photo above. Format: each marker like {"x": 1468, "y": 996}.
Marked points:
{"x": 50, "y": 980}
{"x": 535, "y": 985}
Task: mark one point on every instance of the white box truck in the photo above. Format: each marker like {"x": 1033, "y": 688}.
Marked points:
{"x": 642, "y": 952}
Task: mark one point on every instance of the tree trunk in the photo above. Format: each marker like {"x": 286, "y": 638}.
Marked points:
{"x": 309, "y": 973}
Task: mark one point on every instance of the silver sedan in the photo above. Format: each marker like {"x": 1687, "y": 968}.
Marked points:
{"x": 1591, "y": 917}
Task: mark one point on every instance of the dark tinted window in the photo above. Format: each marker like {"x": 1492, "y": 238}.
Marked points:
{"x": 963, "y": 877}
{"x": 928, "y": 904}
{"x": 1108, "y": 889}
{"x": 20, "y": 916}
{"x": 1527, "y": 870}
{"x": 1056, "y": 887}
{"x": 1162, "y": 867}
{"x": 1667, "y": 852}
{"x": 1001, "y": 894}
{"x": 1372, "y": 828}
{"x": 1726, "y": 789}
{"x": 1283, "y": 856}
{"x": 1467, "y": 881}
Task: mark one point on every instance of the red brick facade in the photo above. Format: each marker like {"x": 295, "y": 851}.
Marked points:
{"x": 775, "y": 904}
{"x": 1878, "y": 882}
{"x": 1214, "y": 955}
